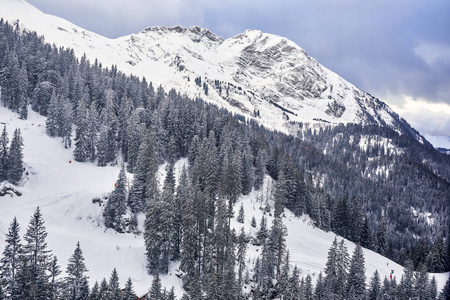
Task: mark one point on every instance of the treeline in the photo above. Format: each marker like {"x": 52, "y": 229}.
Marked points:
{"x": 122, "y": 118}
{"x": 29, "y": 270}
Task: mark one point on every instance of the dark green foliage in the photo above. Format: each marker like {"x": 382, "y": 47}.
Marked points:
{"x": 10, "y": 262}
{"x": 115, "y": 207}
{"x": 76, "y": 269}
{"x": 4, "y": 141}
{"x": 36, "y": 258}
{"x": 15, "y": 158}
{"x": 356, "y": 281}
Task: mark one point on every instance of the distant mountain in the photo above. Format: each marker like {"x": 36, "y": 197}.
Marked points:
{"x": 261, "y": 76}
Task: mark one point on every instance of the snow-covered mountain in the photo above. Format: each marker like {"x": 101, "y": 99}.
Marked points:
{"x": 262, "y": 76}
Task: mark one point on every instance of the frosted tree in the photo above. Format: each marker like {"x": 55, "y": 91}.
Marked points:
{"x": 55, "y": 282}
{"x": 81, "y": 151}
{"x": 145, "y": 185}
{"x": 155, "y": 290}
{"x": 76, "y": 274}
{"x": 240, "y": 217}
{"x": 37, "y": 256}
{"x": 128, "y": 293}
{"x": 114, "y": 292}
{"x": 374, "y": 286}
{"x": 15, "y": 158}
{"x": 10, "y": 261}
{"x": 357, "y": 274}
{"x": 4, "y": 141}
{"x": 115, "y": 207}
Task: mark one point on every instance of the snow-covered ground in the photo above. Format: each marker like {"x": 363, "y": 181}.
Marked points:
{"x": 64, "y": 189}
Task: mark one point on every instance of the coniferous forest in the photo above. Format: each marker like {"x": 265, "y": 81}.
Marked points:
{"x": 379, "y": 196}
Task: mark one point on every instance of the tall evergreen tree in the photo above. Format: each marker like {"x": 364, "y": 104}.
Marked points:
{"x": 374, "y": 286}
{"x": 129, "y": 293}
{"x": 55, "y": 282}
{"x": 115, "y": 207}
{"x": 4, "y": 141}
{"x": 155, "y": 290}
{"x": 9, "y": 263}
{"x": 357, "y": 274}
{"x": 15, "y": 158}
{"x": 76, "y": 274}
{"x": 38, "y": 258}
{"x": 114, "y": 292}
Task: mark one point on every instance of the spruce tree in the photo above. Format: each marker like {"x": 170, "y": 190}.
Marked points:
{"x": 374, "y": 286}
{"x": 114, "y": 286}
{"x": 115, "y": 207}
{"x": 128, "y": 293}
{"x": 10, "y": 262}
{"x": 155, "y": 290}
{"x": 76, "y": 274}
{"x": 240, "y": 217}
{"x": 357, "y": 273}
{"x": 422, "y": 284}
{"x": 37, "y": 256}
{"x": 4, "y": 141}
{"x": 15, "y": 158}
{"x": 55, "y": 282}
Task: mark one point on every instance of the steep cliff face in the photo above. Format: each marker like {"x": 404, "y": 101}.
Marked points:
{"x": 261, "y": 76}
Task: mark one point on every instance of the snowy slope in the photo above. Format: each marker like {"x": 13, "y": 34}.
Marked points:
{"x": 259, "y": 75}
{"x": 64, "y": 193}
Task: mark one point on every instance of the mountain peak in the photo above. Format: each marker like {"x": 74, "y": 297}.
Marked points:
{"x": 195, "y": 32}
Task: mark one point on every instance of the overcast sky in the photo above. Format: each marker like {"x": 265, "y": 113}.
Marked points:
{"x": 397, "y": 50}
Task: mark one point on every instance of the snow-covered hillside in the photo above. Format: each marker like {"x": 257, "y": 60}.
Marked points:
{"x": 262, "y": 76}
{"x": 64, "y": 189}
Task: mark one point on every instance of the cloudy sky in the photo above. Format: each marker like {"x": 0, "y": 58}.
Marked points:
{"x": 397, "y": 50}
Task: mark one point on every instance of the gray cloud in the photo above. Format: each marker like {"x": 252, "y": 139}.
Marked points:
{"x": 391, "y": 49}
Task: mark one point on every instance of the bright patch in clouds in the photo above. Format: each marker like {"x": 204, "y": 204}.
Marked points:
{"x": 432, "y": 54}
{"x": 429, "y": 118}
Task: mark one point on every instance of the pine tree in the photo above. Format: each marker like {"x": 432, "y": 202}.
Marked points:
{"x": 336, "y": 268}
{"x": 262, "y": 233}
{"x": 4, "y": 141}
{"x": 381, "y": 237}
{"x": 37, "y": 256}
{"x": 241, "y": 253}
{"x": 433, "y": 289}
{"x": 293, "y": 285}
{"x": 114, "y": 287}
{"x": 283, "y": 277}
{"x": 240, "y": 217}
{"x": 144, "y": 174}
{"x": 128, "y": 293}
{"x": 406, "y": 287}
{"x": 95, "y": 292}
{"x": 55, "y": 283}
{"x": 15, "y": 158}
{"x": 76, "y": 270}
{"x": 9, "y": 263}
{"x": 155, "y": 290}
{"x": 23, "y": 84}
{"x": 357, "y": 273}
{"x": 374, "y": 286}
{"x": 260, "y": 169}
{"x": 104, "y": 291}
{"x": 189, "y": 241}
{"x": 445, "y": 293}
{"x": 422, "y": 284}
{"x": 115, "y": 207}
{"x": 81, "y": 151}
